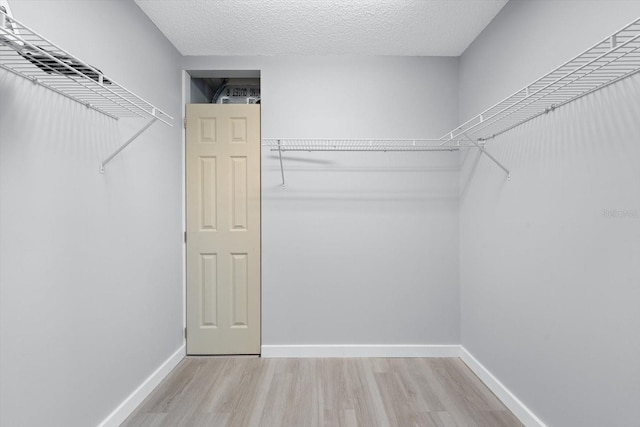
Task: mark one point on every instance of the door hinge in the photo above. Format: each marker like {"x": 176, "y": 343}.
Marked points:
{"x": 184, "y": 122}
{"x": 185, "y": 237}
{"x": 185, "y": 333}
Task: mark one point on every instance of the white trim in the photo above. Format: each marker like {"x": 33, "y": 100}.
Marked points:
{"x": 372, "y": 350}
{"x": 519, "y": 409}
{"x": 131, "y": 403}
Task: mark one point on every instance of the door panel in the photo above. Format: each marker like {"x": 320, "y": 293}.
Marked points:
{"x": 223, "y": 229}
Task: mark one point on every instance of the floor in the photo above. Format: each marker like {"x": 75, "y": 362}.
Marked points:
{"x": 213, "y": 391}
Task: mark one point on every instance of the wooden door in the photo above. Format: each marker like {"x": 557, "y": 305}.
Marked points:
{"x": 223, "y": 229}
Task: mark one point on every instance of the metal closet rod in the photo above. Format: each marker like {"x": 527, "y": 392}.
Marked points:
{"x": 608, "y": 61}
{"x": 605, "y": 63}
{"x": 369, "y": 144}
{"x": 356, "y": 145}
{"x": 33, "y": 57}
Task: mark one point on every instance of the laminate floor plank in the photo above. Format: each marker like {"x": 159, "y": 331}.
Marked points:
{"x": 363, "y": 393}
{"x": 151, "y": 420}
{"x": 351, "y": 392}
{"x": 416, "y": 372}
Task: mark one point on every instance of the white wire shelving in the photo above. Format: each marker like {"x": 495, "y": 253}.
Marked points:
{"x": 385, "y": 145}
{"x": 282, "y": 145}
{"x": 30, "y": 55}
{"x": 607, "y": 62}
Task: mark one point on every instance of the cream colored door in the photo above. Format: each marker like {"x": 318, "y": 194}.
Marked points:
{"x": 223, "y": 229}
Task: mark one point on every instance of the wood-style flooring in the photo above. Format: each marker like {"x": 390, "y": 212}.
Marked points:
{"x": 215, "y": 391}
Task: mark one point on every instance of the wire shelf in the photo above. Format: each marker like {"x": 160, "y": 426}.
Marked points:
{"x": 384, "y": 145}
{"x": 611, "y": 60}
{"x": 30, "y": 55}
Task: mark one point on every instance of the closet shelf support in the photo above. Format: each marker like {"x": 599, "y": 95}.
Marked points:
{"x": 280, "y": 156}
{"x": 129, "y": 141}
{"x": 485, "y": 152}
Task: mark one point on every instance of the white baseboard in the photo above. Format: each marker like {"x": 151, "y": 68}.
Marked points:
{"x": 131, "y": 403}
{"x": 360, "y": 350}
{"x": 524, "y": 414}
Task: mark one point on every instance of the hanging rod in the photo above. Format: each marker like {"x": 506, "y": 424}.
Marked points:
{"x": 33, "y": 57}
{"x": 384, "y": 145}
{"x": 361, "y": 145}
{"x": 607, "y": 62}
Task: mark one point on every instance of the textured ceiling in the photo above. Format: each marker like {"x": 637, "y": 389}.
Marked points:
{"x": 321, "y": 27}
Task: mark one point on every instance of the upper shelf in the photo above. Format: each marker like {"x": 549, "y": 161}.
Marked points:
{"x": 613, "y": 59}
{"x": 290, "y": 144}
{"x": 28, "y": 54}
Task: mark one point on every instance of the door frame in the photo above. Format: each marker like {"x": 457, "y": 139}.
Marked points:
{"x": 186, "y": 99}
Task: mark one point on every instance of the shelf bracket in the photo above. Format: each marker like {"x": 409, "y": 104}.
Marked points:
{"x": 280, "y": 156}
{"x": 485, "y": 152}
{"x": 129, "y": 141}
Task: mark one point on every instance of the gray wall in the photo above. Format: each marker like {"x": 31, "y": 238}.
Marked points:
{"x": 91, "y": 277}
{"x": 359, "y": 248}
{"x": 549, "y": 281}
